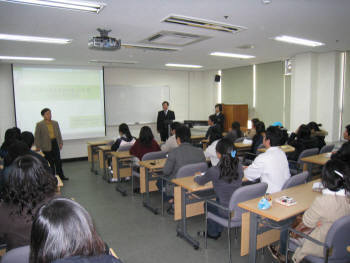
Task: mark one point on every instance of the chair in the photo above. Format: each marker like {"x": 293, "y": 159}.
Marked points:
{"x": 242, "y": 194}
{"x": 124, "y": 148}
{"x": 299, "y": 163}
{"x": 146, "y": 157}
{"x": 191, "y": 169}
{"x": 296, "y": 180}
{"x": 249, "y": 157}
{"x": 327, "y": 148}
{"x": 17, "y": 255}
{"x": 335, "y": 247}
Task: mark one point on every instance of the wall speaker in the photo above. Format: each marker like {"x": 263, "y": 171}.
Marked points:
{"x": 217, "y": 78}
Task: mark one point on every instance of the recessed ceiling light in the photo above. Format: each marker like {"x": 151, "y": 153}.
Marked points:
{"x": 94, "y": 7}
{"x": 298, "y": 41}
{"x": 182, "y": 65}
{"x": 25, "y": 58}
{"x": 35, "y": 39}
{"x": 113, "y": 61}
{"x": 231, "y": 55}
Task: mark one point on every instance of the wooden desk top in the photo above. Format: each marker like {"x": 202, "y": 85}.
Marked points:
{"x": 320, "y": 159}
{"x": 240, "y": 145}
{"x": 104, "y": 147}
{"x": 96, "y": 143}
{"x": 197, "y": 137}
{"x": 285, "y": 148}
{"x": 303, "y": 194}
{"x": 124, "y": 154}
{"x": 153, "y": 164}
{"x": 190, "y": 185}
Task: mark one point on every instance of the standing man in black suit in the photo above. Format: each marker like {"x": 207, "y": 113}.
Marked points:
{"x": 219, "y": 117}
{"x": 165, "y": 117}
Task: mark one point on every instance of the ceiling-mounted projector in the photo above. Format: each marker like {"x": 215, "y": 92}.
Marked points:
{"x": 104, "y": 42}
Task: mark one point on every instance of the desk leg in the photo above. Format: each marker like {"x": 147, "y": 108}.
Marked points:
{"x": 93, "y": 151}
{"x": 147, "y": 202}
{"x": 118, "y": 186}
{"x": 253, "y": 231}
{"x": 182, "y": 231}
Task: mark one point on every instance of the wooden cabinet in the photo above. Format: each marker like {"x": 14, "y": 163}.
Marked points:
{"x": 235, "y": 112}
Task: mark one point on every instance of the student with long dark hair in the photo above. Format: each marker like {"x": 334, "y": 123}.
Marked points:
{"x": 125, "y": 137}
{"x": 145, "y": 143}
{"x": 251, "y": 133}
{"x": 226, "y": 177}
{"x": 235, "y": 131}
{"x": 258, "y": 137}
{"x": 27, "y": 186}
{"x": 63, "y": 231}
{"x": 210, "y": 152}
{"x": 11, "y": 136}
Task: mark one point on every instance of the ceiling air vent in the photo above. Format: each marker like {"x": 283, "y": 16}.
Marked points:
{"x": 174, "y": 38}
{"x": 202, "y": 23}
{"x": 150, "y": 48}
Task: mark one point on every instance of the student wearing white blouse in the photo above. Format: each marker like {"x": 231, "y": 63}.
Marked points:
{"x": 171, "y": 141}
{"x": 272, "y": 166}
{"x": 210, "y": 152}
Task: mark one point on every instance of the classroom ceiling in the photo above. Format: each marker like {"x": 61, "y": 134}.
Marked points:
{"x": 133, "y": 21}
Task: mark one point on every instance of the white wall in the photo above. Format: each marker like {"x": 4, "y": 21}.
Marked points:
{"x": 192, "y": 96}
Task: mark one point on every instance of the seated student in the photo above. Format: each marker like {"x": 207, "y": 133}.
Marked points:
{"x": 180, "y": 156}
{"x": 11, "y": 136}
{"x": 210, "y": 152}
{"x": 318, "y": 133}
{"x": 235, "y": 131}
{"x": 16, "y": 149}
{"x": 226, "y": 177}
{"x": 258, "y": 137}
{"x": 211, "y": 123}
{"x": 63, "y": 232}
{"x": 344, "y": 152}
{"x": 301, "y": 140}
{"x": 171, "y": 141}
{"x": 125, "y": 137}
{"x": 251, "y": 133}
{"x": 284, "y": 132}
{"x": 144, "y": 144}
{"x": 219, "y": 117}
{"x": 28, "y": 138}
{"x": 271, "y": 166}
{"x": 28, "y": 186}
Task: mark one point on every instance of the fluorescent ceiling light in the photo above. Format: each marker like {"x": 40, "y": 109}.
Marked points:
{"x": 69, "y": 4}
{"x": 35, "y": 39}
{"x": 298, "y": 41}
{"x": 182, "y": 65}
{"x": 231, "y": 55}
{"x": 113, "y": 61}
{"x": 25, "y": 58}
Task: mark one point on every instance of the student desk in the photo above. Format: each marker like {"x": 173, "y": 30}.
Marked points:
{"x": 148, "y": 179}
{"x": 319, "y": 159}
{"x": 120, "y": 170}
{"x": 92, "y": 150}
{"x": 278, "y": 214}
{"x": 187, "y": 185}
{"x": 103, "y": 151}
{"x": 285, "y": 148}
{"x": 197, "y": 138}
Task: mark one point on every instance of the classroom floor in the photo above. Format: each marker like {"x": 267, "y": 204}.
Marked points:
{"x": 136, "y": 234}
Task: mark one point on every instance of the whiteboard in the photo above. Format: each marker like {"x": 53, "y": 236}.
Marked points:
{"x": 132, "y": 104}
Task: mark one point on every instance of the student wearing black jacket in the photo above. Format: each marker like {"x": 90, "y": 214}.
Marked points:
{"x": 219, "y": 117}
{"x": 344, "y": 152}
{"x": 163, "y": 120}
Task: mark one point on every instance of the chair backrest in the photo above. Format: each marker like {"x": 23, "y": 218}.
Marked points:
{"x": 124, "y": 148}
{"x": 296, "y": 180}
{"x": 327, "y": 148}
{"x": 191, "y": 169}
{"x": 154, "y": 155}
{"x": 17, "y": 255}
{"x": 306, "y": 153}
{"x": 338, "y": 239}
{"x": 243, "y": 194}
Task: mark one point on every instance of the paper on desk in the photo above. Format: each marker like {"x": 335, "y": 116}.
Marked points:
{"x": 247, "y": 141}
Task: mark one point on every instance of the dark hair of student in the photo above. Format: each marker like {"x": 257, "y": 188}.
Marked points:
{"x": 124, "y": 129}
{"x": 28, "y": 184}
{"x": 236, "y": 126}
{"x": 314, "y": 126}
{"x": 335, "y": 175}
{"x": 184, "y": 133}
{"x": 165, "y": 102}
{"x": 174, "y": 125}
{"x": 219, "y": 106}
{"x": 215, "y": 135}
{"x": 61, "y": 229}
{"x": 260, "y": 127}
{"x": 146, "y": 136}
{"x": 16, "y": 149}
{"x": 212, "y": 118}
{"x": 254, "y": 121}
{"x": 11, "y": 135}
{"x": 28, "y": 138}
{"x": 275, "y": 135}
{"x": 43, "y": 111}
{"x": 343, "y": 153}
{"x": 348, "y": 129}
{"x": 228, "y": 165}
{"x": 304, "y": 132}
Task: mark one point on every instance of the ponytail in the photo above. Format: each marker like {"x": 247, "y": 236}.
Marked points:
{"x": 228, "y": 164}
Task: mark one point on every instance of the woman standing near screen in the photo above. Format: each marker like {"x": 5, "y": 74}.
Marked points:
{"x": 48, "y": 139}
